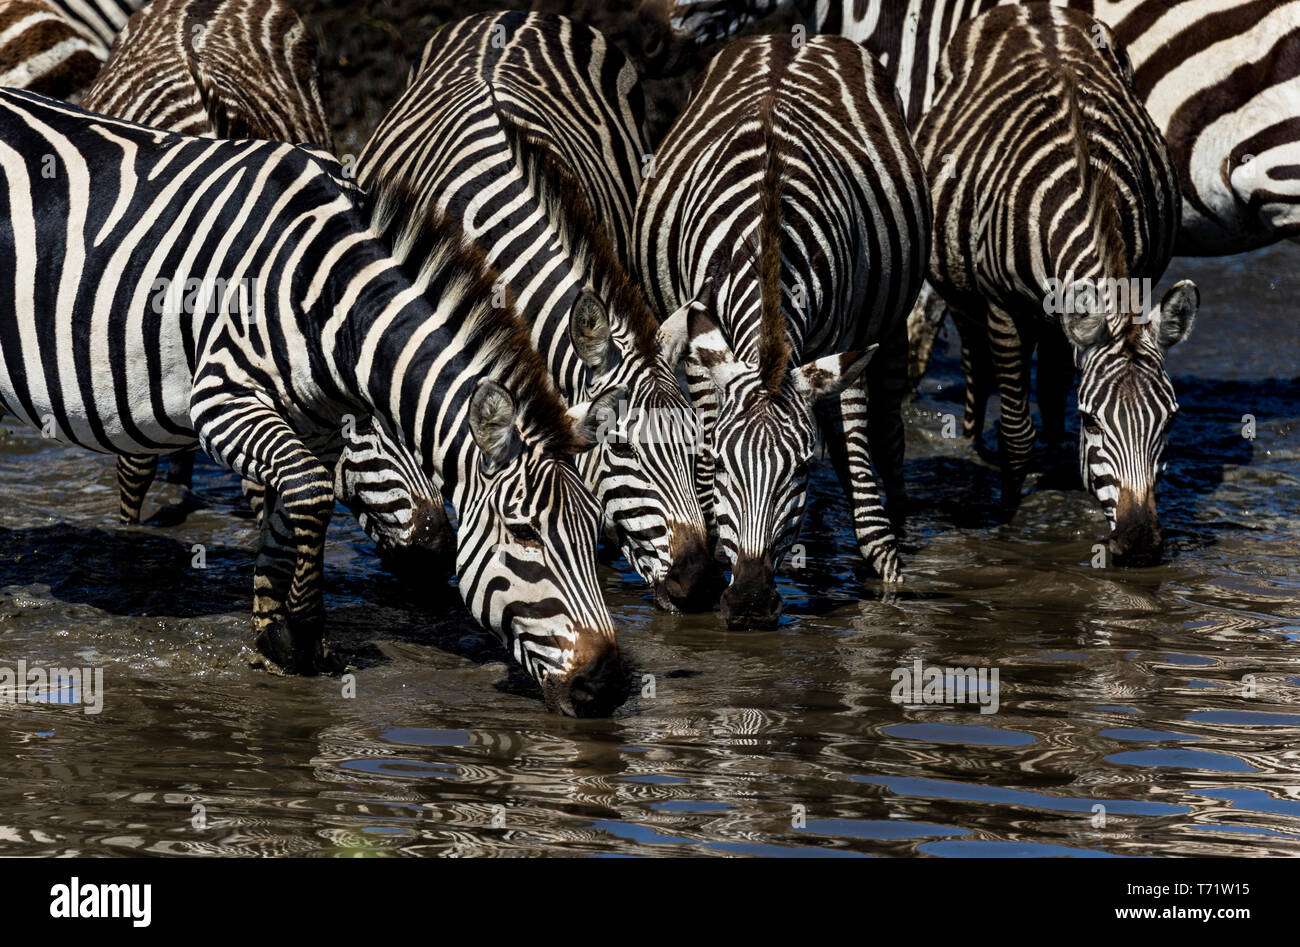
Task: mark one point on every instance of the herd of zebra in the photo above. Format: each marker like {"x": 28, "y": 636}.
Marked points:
{"x": 481, "y": 311}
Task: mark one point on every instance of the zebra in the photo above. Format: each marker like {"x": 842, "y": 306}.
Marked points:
{"x": 43, "y": 51}
{"x": 98, "y": 20}
{"x": 526, "y": 128}
{"x": 1054, "y": 196}
{"x": 248, "y": 69}
{"x": 790, "y": 195}
{"x": 305, "y": 316}
{"x": 1217, "y": 76}
{"x": 212, "y": 68}
{"x": 56, "y": 47}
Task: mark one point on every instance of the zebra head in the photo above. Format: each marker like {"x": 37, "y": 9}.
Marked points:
{"x": 394, "y": 501}
{"x": 1126, "y": 407}
{"x": 763, "y": 443}
{"x": 643, "y": 468}
{"x": 528, "y": 535}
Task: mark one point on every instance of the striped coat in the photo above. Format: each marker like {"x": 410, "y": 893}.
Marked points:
{"x": 1055, "y": 203}
{"x": 788, "y": 197}
{"x": 163, "y": 291}
{"x": 527, "y": 130}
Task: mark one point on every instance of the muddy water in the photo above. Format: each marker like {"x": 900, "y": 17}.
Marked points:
{"x": 1128, "y": 690}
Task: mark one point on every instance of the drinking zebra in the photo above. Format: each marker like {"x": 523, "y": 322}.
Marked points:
{"x": 526, "y": 128}
{"x": 789, "y": 193}
{"x": 1048, "y": 176}
{"x": 304, "y": 318}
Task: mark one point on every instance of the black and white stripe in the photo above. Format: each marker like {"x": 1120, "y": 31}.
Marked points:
{"x": 1055, "y": 197}
{"x": 1217, "y": 76}
{"x": 310, "y": 319}
{"x": 46, "y": 49}
{"x": 789, "y": 200}
{"x": 526, "y": 128}
{"x": 248, "y": 69}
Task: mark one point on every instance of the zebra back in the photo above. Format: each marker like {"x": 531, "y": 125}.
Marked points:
{"x": 224, "y": 68}
{"x": 41, "y": 50}
{"x": 1214, "y": 74}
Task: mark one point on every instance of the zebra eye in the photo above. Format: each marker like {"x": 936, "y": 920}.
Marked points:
{"x": 524, "y": 533}
{"x": 1090, "y": 425}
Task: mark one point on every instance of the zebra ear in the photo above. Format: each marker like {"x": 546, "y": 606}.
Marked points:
{"x": 590, "y": 333}
{"x": 1176, "y": 314}
{"x": 492, "y": 422}
{"x": 1082, "y": 315}
{"x": 709, "y": 347}
{"x": 828, "y": 376}
{"x": 594, "y": 420}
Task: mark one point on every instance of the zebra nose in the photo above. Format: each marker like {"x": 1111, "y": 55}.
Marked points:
{"x": 595, "y": 688}
{"x": 694, "y": 580}
{"x": 751, "y": 600}
{"x": 1137, "y": 539}
{"x": 430, "y": 553}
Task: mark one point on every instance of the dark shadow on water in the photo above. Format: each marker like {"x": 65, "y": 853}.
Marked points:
{"x": 135, "y": 572}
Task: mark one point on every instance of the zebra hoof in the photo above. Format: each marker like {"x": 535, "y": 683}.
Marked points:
{"x": 304, "y": 654}
{"x": 276, "y": 644}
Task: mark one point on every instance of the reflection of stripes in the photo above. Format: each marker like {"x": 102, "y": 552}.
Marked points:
{"x": 1217, "y": 76}
{"x": 788, "y": 193}
{"x": 339, "y": 327}
{"x": 527, "y": 129}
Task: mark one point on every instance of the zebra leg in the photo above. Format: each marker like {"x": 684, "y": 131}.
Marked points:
{"x": 1011, "y": 353}
{"x": 288, "y": 588}
{"x": 845, "y": 424}
{"x": 977, "y": 371}
{"x": 923, "y": 324}
{"x": 180, "y": 468}
{"x": 135, "y": 472}
{"x": 254, "y": 496}
{"x": 887, "y": 388}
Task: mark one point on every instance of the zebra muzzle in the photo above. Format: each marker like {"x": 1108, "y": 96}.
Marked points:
{"x": 598, "y": 685}
{"x": 751, "y": 601}
{"x": 1136, "y": 539}
{"x": 693, "y": 582}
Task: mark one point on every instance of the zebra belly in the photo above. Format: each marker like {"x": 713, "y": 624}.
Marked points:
{"x": 131, "y": 397}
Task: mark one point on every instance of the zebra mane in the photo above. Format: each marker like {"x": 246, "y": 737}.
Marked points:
{"x": 774, "y": 349}
{"x": 585, "y": 237}
{"x": 1103, "y": 198}
{"x": 434, "y": 252}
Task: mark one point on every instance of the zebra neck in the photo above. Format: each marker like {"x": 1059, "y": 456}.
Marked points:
{"x": 400, "y": 357}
